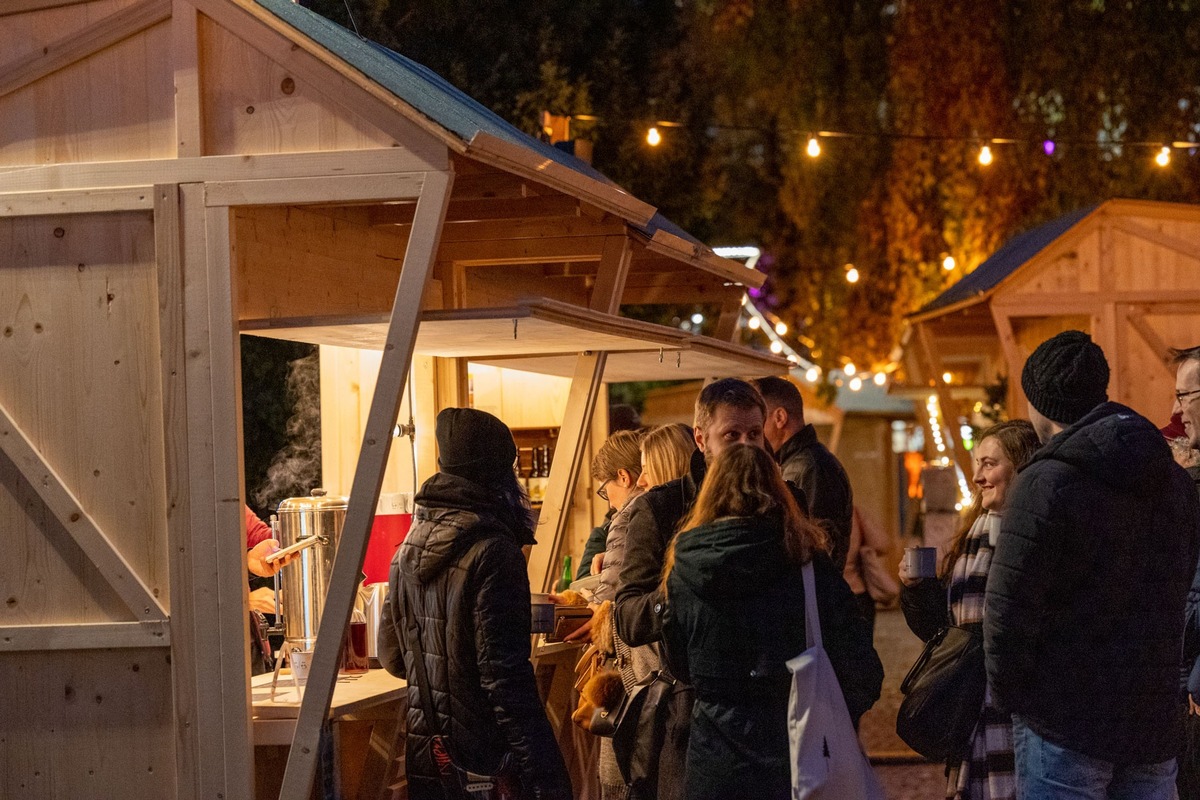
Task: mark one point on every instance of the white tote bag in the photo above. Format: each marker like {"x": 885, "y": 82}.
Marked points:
{"x": 827, "y": 761}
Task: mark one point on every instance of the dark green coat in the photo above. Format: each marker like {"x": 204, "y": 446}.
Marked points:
{"x": 735, "y": 616}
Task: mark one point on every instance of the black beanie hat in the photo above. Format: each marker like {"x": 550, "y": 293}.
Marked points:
{"x": 473, "y": 444}
{"x": 1066, "y": 377}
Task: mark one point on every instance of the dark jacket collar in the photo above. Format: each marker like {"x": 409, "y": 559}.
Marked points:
{"x": 801, "y": 440}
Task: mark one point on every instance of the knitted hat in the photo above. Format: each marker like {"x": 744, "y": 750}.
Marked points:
{"x": 473, "y": 444}
{"x": 1066, "y": 377}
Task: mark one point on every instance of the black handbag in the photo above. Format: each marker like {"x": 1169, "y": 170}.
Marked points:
{"x": 943, "y": 694}
{"x": 458, "y": 783}
{"x": 640, "y": 730}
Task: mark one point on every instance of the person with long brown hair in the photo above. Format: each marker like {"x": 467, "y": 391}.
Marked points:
{"x": 956, "y": 598}
{"x": 735, "y": 615}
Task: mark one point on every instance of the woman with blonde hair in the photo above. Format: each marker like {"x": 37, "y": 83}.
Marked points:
{"x": 735, "y": 615}
{"x": 666, "y": 454}
{"x": 955, "y": 597}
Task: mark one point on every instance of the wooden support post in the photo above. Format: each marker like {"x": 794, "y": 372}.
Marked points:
{"x": 577, "y": 420}
{"x": 215, "y": 523}
{"x": 185, "y": 39}
{"x": 368, "y": 476}
{"x": 168, "y": 255}
{"x": 84, "y": 636}
{"x": 1136, "y": 317}
{"x": 1014, "y": 359}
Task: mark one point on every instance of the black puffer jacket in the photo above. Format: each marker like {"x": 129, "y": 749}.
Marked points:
{"x": 735, "y": 616}
{"x": 1087, "y": 586}
{"x": 809, "y": 465}
{"x": 467, "y": 587}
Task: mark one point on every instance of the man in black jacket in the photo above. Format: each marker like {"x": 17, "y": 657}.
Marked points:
{"x": 808, "y": 463}
{"x": 728, "y": 411}
{"x": 1087, "y": 588}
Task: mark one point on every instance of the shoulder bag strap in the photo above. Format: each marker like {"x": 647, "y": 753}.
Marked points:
{"x": 424, "y": 687}
{"x": 812, "y": 622}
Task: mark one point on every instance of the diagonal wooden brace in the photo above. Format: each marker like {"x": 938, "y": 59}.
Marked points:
{"x": 81, "y": 527}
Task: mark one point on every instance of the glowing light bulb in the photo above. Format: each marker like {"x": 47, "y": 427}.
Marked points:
{"x": 812, "y": 374}
{"x": 697, "y": 318}
{"x": 852, "y": 275}
{"x": 880, "y": 378}
{"x": 855, "y": 384}
{"x": 754, "y": 323}
{"x": 781, "y": 328}
{"x": 850, "y": 369}
{"x": 1048, "y": 147}
{"x": 985, "y": 155}
{"x": 814, "y": 147}
{"x": 1164, "y": 157}
{"x": 653, "y": 137}
{"x": 776, "y": 347}
{"x": 947, "y": 377}
{"x": 793, "y": 359}
{"x": 948, "y": 263}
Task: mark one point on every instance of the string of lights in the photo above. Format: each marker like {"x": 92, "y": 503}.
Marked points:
{"x": 1048, "y": 145}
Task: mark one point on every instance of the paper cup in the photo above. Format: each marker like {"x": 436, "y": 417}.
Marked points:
{"x": 300, "y": 661}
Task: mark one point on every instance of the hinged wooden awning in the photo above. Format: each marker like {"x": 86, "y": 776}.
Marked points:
{"x": 544, "y": 337}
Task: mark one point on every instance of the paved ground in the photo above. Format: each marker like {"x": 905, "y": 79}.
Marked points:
{"x": 904, "y": 775}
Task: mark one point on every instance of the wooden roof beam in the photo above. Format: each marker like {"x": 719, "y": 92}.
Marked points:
{"x": 480, "y": 210}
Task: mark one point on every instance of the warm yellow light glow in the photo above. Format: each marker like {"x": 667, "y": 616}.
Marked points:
{"x": 812, "y": 374}
{"x": 852, "y": 275}
{"x": 776, "y": 347}
{"x": 754, "y": 323}
{"x": 814, "y": 147}
{"x": 985, "y": 155}
{"x": 855, "y": 384}
{"x": 781, "y": 328}
{"x": 948, "y": 263}
{"x": 850, "y": 369}
{"x": 880, "y": 378}
{"x": 1164, "y": 157}
{"x": 653, "y": 137}
{"x": 947, "y": 377}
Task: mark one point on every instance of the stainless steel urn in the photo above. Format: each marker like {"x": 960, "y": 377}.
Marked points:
{"x": 306, "y": 580}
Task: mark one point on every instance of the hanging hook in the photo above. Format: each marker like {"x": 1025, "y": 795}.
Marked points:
{"x": 515, "y": 321}
{"x": 660, "y": 355}
{"x": 678, "y": 358}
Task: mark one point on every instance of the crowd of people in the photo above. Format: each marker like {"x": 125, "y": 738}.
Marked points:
{"x": 1076, "y": 566}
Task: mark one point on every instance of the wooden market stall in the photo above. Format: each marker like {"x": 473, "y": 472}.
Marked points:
{"x": 173, "y": 172}
{"x": 1125, "y": 271}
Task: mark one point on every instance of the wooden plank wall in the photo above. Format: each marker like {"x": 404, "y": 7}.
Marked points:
{"x": 80, "y": 374}
{"x": 115, "y": 104}
{"x": 255, "y": 105}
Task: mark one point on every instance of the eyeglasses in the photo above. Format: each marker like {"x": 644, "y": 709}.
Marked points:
{"x": 602, "y": 492}
{"x": 1181, "y": 396}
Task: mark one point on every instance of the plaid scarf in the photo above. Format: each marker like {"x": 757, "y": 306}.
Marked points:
{"x": 989, "y": 772}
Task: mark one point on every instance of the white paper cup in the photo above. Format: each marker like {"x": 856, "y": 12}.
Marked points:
{"x": 300, "y": 660}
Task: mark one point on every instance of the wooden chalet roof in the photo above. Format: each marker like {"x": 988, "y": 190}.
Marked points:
{"x": 977, "y": 285}
{"x": 469, "y": 127}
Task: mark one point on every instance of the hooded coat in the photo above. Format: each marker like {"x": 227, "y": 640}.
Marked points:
{"x": 1085, "y": 597}
{"x": 735, "y": 616}
{"x": 461, "y": 575}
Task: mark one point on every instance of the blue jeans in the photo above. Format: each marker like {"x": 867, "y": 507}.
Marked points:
{"x": 1047, "y": 771}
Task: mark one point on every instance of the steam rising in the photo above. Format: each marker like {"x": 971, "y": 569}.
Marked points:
{"x": 296, "y": 469}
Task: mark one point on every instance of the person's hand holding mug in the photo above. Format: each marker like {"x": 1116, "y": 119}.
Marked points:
{"x": 256, "y": 559}
{"x": 905, "y": 577}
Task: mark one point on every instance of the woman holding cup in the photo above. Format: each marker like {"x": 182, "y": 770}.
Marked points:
{"x": 955, "y": 594}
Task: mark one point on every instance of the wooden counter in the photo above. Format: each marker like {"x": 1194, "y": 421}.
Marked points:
{"x": 366, "y": 712}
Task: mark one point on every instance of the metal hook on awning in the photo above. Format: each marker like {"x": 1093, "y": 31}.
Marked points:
{"x": 678, "y": 359}
{"x": 515, "y": 321}
{"x": 660, "y": 355}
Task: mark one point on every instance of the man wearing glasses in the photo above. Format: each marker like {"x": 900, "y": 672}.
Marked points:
{"x": 1187, "y": 392}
